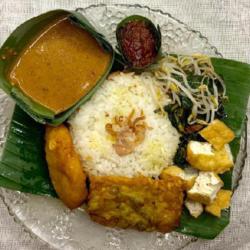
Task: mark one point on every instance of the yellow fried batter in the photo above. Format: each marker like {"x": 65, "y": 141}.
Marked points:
{"x": 218, "y": 134}
{"x": 222, "y": 201}
{"x": 140, "y": 202}
{"x": 218, "y": 161}
{"x": 65, "y": 169}
{"x": 188, "y": 176}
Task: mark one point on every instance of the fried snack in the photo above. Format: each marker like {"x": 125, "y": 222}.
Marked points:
{"x": 195, "y": 208}
{"x": 65, "y": 169}
{"x": 140, "y": 202}
{"x": 218, "y": 134}
{"x": 221, "y": 201}
{"x": 202, "y": 156}
{"x": 188, "y": 175}
{"x": 205, "y": 188}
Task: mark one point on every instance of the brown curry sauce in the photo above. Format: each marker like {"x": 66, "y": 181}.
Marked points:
{"x": 60, "y": 66}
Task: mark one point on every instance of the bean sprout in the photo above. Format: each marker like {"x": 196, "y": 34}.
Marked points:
{"x": 172, "y": 72}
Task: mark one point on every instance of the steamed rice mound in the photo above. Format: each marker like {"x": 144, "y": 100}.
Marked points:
{"x": 118, "y": 96}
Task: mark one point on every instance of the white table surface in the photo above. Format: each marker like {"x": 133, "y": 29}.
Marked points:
{"x": 226, "y": 24}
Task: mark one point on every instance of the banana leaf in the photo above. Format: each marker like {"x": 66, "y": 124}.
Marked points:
{"x": 236, "y": 76}
{"x": 23, "y": 166}
{"x": 20, "y": 38}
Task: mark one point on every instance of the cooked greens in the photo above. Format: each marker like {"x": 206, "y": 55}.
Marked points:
{"x": 196, "y": 90}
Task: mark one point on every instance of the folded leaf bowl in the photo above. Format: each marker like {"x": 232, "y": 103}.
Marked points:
{"x": 20, "y": 39}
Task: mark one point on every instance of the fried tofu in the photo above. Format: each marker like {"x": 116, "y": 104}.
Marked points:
{"x": 205, "y": 188}
{"x": 202, "y": 156}
{"x": 139, "y": 202}
{"x": 218, "y": 134}
{"x": 195, "y": 208}
{"x": 188, "y": 175}
{"x": 172, "y": 170}
{"x": 65, "y": 169}
{"x": 221, "y": 201}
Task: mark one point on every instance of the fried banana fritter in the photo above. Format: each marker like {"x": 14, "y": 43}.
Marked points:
{"x": 65, "y": 169}
{"x": 140, "y": 202}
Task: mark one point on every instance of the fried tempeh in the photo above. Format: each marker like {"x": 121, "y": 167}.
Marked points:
{"x": 64, "y": 165}
{"x": 140, "y": 202}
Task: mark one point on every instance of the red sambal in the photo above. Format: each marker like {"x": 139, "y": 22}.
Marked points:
{"x": 138, "y": 43}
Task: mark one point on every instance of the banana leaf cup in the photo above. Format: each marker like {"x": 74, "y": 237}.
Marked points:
{"x": 138, "y": 42}
{"x": 15, "y": 44}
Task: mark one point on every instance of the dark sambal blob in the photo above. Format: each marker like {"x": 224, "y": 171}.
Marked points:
{"x": 139, "y": 41}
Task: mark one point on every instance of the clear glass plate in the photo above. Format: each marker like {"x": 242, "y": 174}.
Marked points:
{"x": 47, "y": 218}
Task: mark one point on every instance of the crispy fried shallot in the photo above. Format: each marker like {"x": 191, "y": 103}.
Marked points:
{"x": 128, "y": 132}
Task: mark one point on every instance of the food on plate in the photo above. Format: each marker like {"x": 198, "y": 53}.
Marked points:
{"x": 195, "y": 208}
{"x": 173, "y": 171}
{"x": 139, "y": 202}
{"x": 205, "y": 188}
{"x": 65, "y": 168}
{"x": 53, "y": 63}
{"x": 188, "y": 175}
{"x": 127, "y": 131}
{"x": 118, "y": 131}
{"x": 139, "y": 41}
{"x": 218, "y": 134}
{"x": 149, "y": 141}
{"x": 221, "y": 201}
{"x": 196, "y": 90}
{"x": 202, "y": 156}
{"x": 70, "y": 63}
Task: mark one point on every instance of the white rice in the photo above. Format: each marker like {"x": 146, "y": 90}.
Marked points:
{"x": 118, "y": 96}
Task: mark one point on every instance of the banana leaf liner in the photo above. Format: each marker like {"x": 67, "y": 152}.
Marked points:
{"x": 23, "y": 166}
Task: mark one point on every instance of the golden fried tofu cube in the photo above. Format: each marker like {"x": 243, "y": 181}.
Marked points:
{"x": 173, "y": 171}
{"x": 221, "y": 201}
{"x": 139, "y": 202}
{"x": 202, "y": 156}
{"x": 205, "y": 188}
{"x": 188, "y": 175}
{"x": 195, "y": 208}
{"x": 218, "y": 134}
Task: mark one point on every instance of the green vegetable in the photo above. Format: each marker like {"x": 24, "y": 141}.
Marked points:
{"x": 19, "y": 39}
{"x": 23, "y": 166}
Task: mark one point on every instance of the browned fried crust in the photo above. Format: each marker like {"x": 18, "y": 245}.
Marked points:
{"x": 140, "y": 202}
{"x": 64, "y": 165}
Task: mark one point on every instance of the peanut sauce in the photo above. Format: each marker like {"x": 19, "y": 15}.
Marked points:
{"x": 60, "y": 65}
